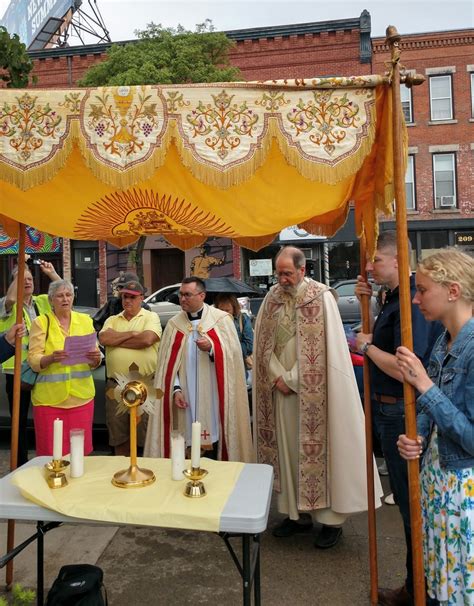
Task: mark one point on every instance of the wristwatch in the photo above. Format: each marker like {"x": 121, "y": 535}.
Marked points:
{"x": 365, "y": 347}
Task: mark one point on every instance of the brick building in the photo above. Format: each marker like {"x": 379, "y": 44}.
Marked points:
{"x": 440, "y": 115}
{"x": 440, "y": 119}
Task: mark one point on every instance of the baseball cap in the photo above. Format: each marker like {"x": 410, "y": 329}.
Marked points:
{"x": 128, "y": 276}
{"x": 132, "y": 288}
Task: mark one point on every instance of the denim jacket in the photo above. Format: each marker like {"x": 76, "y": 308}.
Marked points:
{"x": 449, "y": 403}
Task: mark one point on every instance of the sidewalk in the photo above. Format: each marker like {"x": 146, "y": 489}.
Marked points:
{"x": 147, "y": 566}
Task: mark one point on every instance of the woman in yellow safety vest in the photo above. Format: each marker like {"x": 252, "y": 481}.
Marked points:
{"x": 64, "y": 388}
{"x": 33, "y": 306}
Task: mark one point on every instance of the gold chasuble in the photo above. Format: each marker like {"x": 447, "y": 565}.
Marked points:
{"x": 313, "y": 438}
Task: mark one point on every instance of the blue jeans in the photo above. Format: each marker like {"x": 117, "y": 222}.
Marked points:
{"x": 389, "y": 423}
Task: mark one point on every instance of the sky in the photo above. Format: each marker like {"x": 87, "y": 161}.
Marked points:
{"x": 123, "y": 17}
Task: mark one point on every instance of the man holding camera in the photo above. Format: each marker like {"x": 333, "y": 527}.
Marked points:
{"x": 33, "y": 306}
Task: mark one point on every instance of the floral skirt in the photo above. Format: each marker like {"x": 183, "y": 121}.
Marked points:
{"x": 447, "y": 501}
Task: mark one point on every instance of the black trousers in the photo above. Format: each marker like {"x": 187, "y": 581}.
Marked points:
{"x": 211, "y": 454}
{"x": 25, "y": 398}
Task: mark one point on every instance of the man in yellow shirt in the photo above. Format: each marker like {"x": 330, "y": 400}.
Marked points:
{"x": 130, "y": 337}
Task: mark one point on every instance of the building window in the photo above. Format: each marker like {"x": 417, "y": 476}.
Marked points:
{"x": 441, "y": 98}
{"x": 432, "y": 241}
{"x": 407, "y": 106}
{"x": 410, "y": 183}
{"x": 444, "y": 180}
{"x": 472, "y": 95}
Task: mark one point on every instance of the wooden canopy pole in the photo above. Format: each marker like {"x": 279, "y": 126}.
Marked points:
{"x": 366, "y": 328}
{"x": 393, "y": 39}
{"x": 16, "y": 390}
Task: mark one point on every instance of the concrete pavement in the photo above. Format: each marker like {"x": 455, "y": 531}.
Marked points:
{"x": 147, "y": 566}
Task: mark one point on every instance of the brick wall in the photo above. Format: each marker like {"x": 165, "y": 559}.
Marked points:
{"x": 63, "y": 71}
{"x": 422, "y": 52}
{"x": 300, "y": 56}
{"x": 295, "y": 56}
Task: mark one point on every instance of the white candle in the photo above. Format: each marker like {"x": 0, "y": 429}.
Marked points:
{"x": 77, "y": 452}
{"x": 177, "y": 456}
{"x": 57, "y": 440}
{"x": 196, "y": 444}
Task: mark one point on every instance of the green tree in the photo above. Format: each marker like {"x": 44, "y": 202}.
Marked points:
{"x": 165, "y": 56}
{"x": 15, "y": 65}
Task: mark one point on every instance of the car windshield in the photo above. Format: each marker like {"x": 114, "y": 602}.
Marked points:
{"x": 345, "y": 290}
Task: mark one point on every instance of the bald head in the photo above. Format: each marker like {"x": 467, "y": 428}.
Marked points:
{"x": 295, "y": 254}
{"x": 290, "y": 265}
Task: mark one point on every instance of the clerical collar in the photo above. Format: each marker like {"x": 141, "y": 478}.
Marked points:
{"x": 195, "y": 315}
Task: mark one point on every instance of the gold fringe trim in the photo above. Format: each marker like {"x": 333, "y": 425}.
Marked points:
{"x": 124, "y": 179}
{"x": 318, "y": 227}
{"x": 36, "y": 175}
{"x": 329, "y": 173}
{"x": 310, "y": 169}
{"x": 227, "y": 177}
{"x": 255, "y": 243}
{"x": 186, "y": 242}
{"x": 209, "y": 175}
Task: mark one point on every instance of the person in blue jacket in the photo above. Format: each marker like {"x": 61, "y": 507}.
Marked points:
{"x": 445, "y": 421}
{"x": 243, "y": 325}
{"x": 7, "y": 341}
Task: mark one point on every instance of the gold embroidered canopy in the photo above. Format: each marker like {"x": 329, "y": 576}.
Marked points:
{"x": 239, "y": 160}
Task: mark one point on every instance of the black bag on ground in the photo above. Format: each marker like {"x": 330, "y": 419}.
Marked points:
{"x": 78, "y": 585}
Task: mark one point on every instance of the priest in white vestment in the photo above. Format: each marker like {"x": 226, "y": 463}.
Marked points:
{"x": 200, "y": 377}
{"x": 308, "y": 418}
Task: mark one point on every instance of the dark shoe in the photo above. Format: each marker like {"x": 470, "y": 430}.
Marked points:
{"x": 328, "y": 537}
{"x": 394, "y": 597}
{"x": 289, "y": 527}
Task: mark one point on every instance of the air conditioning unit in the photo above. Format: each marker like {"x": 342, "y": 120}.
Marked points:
{"x": 447, "y": 201}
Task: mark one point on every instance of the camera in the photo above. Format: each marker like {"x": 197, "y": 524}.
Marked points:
{"x": 37, "y": 261}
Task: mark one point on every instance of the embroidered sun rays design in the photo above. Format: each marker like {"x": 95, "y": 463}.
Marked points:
{"x": 137, "y": 212}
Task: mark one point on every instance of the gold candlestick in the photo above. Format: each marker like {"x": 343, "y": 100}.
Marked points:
{"x": 56, "y": 477}
{"x": 133, "y": 394}
{"x": 195, "y": 488}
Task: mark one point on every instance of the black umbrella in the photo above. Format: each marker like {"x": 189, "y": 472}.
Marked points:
{"x": 231, "y": 286}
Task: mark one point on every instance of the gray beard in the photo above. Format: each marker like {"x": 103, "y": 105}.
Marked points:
{"x": 290, "y": 290}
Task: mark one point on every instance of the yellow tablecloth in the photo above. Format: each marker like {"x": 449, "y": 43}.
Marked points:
{"x": 161, "y": 504}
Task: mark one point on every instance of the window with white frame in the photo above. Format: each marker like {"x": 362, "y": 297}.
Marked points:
{"x": 410, "y": 184}
{"x": 444, "y": 173}
{"x": 472, "y": 94}
{"x": 405, "y": 94}
{"x": 441, "y": 100}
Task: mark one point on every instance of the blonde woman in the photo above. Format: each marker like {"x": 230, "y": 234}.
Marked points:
{"x": 445, "y": 292}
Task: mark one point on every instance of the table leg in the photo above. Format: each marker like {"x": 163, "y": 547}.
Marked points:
{"x": 40, "y": 565}
{"x": 256, "y": 573}
{"x": 246, "y": 570}
{"x": 249, "y": 570}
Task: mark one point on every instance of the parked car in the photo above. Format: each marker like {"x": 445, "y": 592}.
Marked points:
{"x": 348, "y": 304}
{"x": 165, "y": 302}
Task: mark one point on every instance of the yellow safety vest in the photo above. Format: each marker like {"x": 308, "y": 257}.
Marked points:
{"x": 43, "y": 306}
{"x": 57, "y": 382}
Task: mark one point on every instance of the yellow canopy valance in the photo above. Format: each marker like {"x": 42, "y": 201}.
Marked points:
{"x": 240, "y": 160}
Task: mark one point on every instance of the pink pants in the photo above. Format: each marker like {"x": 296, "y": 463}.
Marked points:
{"x": 73, "y": 418}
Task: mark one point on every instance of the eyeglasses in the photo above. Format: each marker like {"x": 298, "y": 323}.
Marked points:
{"x": 285, "y": 274}
{"x": 188, "y": 295}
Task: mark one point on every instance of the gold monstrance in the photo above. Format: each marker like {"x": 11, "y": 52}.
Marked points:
{"x": 132, "y": 395}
